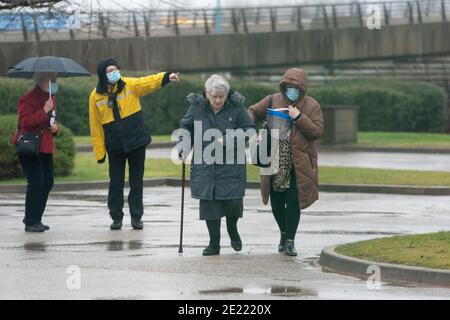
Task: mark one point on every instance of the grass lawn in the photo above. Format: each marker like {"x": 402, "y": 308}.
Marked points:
{"x": 86, "y": 140}
{"x": 86, "y": 169}
{"x": 339, "y": 175}
{"x": 404, "y": 139}
{"x": 426, "y": 250}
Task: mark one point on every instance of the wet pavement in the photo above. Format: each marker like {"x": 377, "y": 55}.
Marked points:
{"x": 356, "y": 159}
{"x": 145, "y": 264}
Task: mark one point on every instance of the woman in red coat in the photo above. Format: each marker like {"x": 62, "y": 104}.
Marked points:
{"x": 37, "y": 114}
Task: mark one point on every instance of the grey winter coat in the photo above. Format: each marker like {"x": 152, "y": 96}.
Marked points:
{"x": 217, "y": 181}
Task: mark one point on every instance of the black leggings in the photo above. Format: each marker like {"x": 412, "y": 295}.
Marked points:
{"x": 286, "y": 209}
{"x": 214, "y": 231}
{"x": 39, "y": 173}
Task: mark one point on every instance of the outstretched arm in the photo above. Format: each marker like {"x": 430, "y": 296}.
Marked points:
{"x": 146, "y": 85}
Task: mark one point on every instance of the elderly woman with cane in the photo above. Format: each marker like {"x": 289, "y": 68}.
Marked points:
{"x": 220, "y": 186}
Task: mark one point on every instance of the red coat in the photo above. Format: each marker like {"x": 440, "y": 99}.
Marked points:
{"x": 33, "y": 118}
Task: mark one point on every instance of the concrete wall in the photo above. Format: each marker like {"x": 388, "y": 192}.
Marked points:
{"x": 341, "y": 124}
{"x": 237, "y": 51}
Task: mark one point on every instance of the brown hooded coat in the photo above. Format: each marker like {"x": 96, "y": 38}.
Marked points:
{"x": 308, "y": 130}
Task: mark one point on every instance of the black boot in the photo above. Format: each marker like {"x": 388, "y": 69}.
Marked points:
{"x": 213, "y": 248}
{"x": 46, "y": 228}
{"x": 211, "y": 251}
{"x": 137, "y": 224}
{"x": 236, "y": 242}
{"x": 282, "y": 245}
{"x": 236, "y": 245}
{"x": 290, "y": 248}
{"x": 36, "y": 228}
{"x": 116, "y": 225}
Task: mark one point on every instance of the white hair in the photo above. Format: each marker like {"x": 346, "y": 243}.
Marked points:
{"x": 41, "y": 77}
{"x": 217, "y": 84}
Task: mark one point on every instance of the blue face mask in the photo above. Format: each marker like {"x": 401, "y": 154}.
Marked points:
{"x": 54, "y": 89}
{"x": 114, "y": 77}
{"x": 292, "y": 94}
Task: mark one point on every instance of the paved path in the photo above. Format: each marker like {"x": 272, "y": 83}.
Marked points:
{"x": 145, "y": 265}
{"x": 379, "y": 160}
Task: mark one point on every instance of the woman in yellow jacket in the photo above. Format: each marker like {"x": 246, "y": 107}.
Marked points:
{"x": 118, "y": 130}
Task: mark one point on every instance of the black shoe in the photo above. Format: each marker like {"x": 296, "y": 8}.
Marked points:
{"x": 116, "y": 225}
{"x": 282, "y": 245}
{"x": 290, "y": 248}
{"x": 137, "y": 224}
{"x": 36, "y": 228}
{"x": 46, "y": 228}
{"x": 211, "y": 251}
{"x": 237, "y": 245}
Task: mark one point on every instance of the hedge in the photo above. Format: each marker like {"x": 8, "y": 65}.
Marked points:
{"x": 390, "y": 105}
{"x": 385, "y": 105}
{"x": 64, "y": 159}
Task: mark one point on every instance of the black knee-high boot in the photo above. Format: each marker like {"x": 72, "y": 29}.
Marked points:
{"x": 236, "y": 242}
{"x": 214, "y": 238}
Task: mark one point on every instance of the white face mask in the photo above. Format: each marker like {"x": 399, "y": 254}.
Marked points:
{"x": 114, "y": 76}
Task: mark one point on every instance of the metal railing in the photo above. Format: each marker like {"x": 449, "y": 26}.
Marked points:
{"x": 133, "y": 23}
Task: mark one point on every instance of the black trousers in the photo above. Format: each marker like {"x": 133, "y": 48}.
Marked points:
{"x": 136, "y": 166}
{"x": 40, "y": 177}
{"x": 286, "y": 209}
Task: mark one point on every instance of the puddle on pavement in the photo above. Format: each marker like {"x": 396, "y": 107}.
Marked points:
{"x": 277, "y": 291}
{"x": 83, "y": 197}
{"x": 122, "y": 245}
{"x": 110, "y": 245}
{"x": 35, "y": 246}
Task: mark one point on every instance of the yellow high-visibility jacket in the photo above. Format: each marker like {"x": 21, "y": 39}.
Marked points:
{"x": 124, "y": 130}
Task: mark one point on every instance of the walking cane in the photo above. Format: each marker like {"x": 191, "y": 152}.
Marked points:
{"x": 183, "y": 185}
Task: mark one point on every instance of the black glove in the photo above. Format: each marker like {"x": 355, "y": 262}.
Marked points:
{"x": 166, "y": 79}
{"x": 102, "y": 161}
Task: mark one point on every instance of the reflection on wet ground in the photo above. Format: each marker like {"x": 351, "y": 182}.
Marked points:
{"x": 263, "y": 291}
{"x": 35, "y": 246}
{"x": 109, "y": 245}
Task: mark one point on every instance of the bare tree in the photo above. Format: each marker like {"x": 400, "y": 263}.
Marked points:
{"x": 32, "y": 4}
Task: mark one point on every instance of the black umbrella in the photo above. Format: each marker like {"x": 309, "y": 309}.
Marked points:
{"x": 64, "y": 67}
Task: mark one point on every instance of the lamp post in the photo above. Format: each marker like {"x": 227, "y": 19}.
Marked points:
{"x": 218, "y": 18}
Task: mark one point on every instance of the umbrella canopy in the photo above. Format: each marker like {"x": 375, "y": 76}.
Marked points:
{"x": 64, "y": 67}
